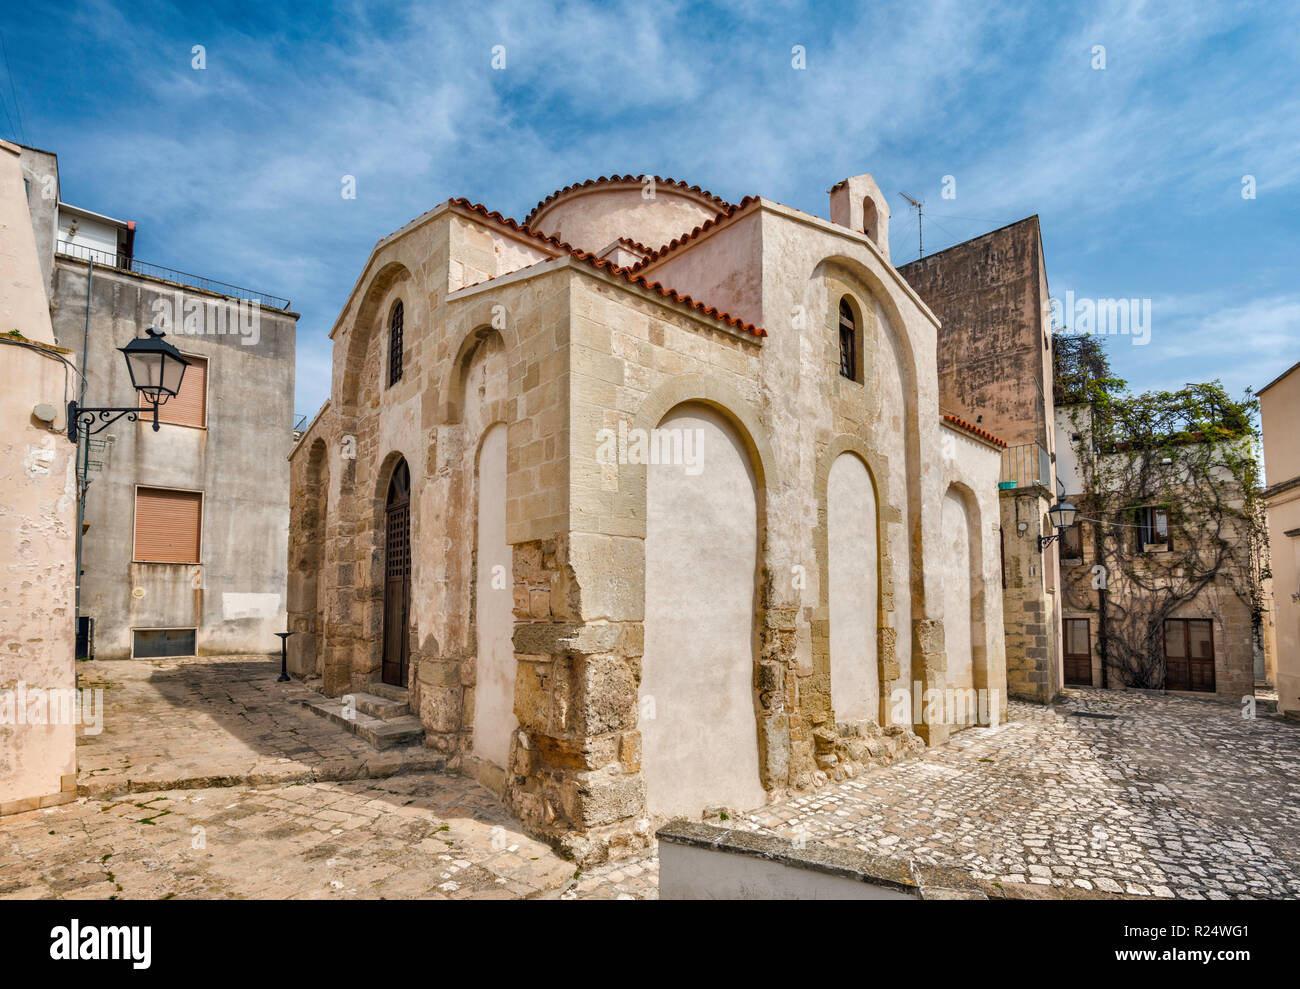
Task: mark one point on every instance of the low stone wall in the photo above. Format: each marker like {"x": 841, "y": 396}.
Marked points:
{"x": 703, "y": 862}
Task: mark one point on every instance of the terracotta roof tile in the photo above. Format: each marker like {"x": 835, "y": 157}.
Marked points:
{"x": 635, "y": 245}
{"x": 623, "y": 179}
{"x": 983, "y": 434}
{"x": 609, "y": 266}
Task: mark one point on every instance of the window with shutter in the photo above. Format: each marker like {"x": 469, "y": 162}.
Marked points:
{"x": 168, "y": 525}
{"x": 190, "y": 407}
{"x": 395, "y": 345}
{"x": 848, "y": 342}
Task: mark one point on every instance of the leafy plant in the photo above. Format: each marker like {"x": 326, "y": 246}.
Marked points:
{"x": 1192, "y": 453}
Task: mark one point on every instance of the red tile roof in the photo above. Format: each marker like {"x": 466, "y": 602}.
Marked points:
{"x": 622, "y": 180}
{"x": 635, "y": 245}
{"x": 983, "y": 434}
{"x": 609, "y": 266}
{"x": 686, "y": 238}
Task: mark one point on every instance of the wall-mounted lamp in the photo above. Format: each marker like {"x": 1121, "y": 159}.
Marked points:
{"x": 157, "y": 369}
{"x": 1062, "y": 517}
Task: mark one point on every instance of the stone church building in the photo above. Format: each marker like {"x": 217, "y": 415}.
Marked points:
{"x": 648, "y": 504}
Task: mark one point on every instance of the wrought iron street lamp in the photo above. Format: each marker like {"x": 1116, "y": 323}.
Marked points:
{"x": 1062, "y": 517}
{"x": 156, "y": 368}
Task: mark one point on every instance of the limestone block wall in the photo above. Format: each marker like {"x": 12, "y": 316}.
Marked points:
{"x": 473, "y": 358}
{"x": 809, "y": 265}
{"x": 1233, "y": 631}
{"x": 590, "y": 363}
{"x": 1029, "y": 611}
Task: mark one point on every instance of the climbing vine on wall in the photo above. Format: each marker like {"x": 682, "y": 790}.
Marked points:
{"x": 1172, "y": 480}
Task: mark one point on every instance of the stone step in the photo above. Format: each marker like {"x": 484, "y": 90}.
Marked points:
{"x": 391, "y": 734}
{"x": 381, "y": 707}
{"x": 387, "y": 691}
{"x": 381, "y": 734}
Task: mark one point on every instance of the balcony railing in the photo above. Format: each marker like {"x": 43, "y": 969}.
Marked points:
{"x": 121, "y": 262}
{"x": 1025, "y": 465}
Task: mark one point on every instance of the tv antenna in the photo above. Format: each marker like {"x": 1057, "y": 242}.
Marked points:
{"x": 920, "y": 242}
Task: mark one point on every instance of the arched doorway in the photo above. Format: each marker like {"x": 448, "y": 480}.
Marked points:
{"x": 397, "y": 577}
{"x": 696, "y": 706}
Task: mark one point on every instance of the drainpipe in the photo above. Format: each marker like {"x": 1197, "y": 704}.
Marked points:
{"x": 84, "y": 451}
{"x": 1101, "y": 606}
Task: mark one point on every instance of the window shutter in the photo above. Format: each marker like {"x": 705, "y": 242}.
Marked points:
{"x": 168, "y": 525}
{"x": 189, "y": 408}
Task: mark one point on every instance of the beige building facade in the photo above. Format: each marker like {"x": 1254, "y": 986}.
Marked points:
{"x": 39, "y": 702}
{"x": 648, "y": 504}
{"x": 1206, "y": 642}
{"x": 1279, "y": 406}
{"x": 995, "y": 368}
{"x": 184, "y": 528}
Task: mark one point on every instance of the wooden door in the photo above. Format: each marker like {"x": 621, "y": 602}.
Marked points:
{"x": 397, "y": 577}
{"x": 1189, "y": 654}
{"x": 1078, "y": 652}
{"x": 1200, "y": 655}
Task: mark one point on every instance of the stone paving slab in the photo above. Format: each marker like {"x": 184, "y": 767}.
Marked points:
{"x": 417, "y": 836}
{"x": 217, "y": 721}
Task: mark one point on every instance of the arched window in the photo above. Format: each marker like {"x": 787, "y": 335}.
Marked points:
{"x": 848, "y": 342}
{"x": 871, "y": 220}
{"x": 395, "y": 345}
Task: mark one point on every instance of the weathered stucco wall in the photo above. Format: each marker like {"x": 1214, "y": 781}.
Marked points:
{"x": 41, "y": 176}
{"x": 699, "y": 745}
{"x": 38, "y": 521}
{"x": 993, "y": 355}
{"x": 854, "y": 593}
{"x": 235, "y": 597}
{"x": 1279, "y": 404}
{"x": 494, "y": 691}
{"x": 23, "y": 304}
{"x": 593, "y": 218}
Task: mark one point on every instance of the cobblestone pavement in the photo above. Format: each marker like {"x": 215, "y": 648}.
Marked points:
{"x": 213, "y": 720}
{"x": 1132, "y": 793}
{"x": 1119, "y": 793}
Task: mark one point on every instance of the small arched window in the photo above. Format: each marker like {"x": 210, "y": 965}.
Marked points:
{"x": 871, "y": 220}
{"x": 848, "y": 342}
{"x": 395, "y": 345}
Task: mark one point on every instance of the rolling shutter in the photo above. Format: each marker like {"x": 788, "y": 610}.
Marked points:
{"x": 167, "y": 525}
{"x": 189, "y": 408}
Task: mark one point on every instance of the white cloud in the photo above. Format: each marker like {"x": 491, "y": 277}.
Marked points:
{"x": 235, "y": 171}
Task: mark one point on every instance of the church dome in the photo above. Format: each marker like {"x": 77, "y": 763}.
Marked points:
{"x": 648, "y": 210}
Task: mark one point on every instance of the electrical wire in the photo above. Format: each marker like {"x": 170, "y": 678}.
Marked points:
{"x": 17, "y": 109}
{"x": 68, "y": 365}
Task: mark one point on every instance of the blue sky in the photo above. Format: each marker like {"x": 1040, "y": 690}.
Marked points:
{"x": 1135, "y": 169}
